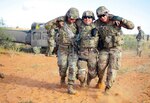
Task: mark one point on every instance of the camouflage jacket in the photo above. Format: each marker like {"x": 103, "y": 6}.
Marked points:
{"x": 63, "y": 38}
{"x": 111, "y": 33}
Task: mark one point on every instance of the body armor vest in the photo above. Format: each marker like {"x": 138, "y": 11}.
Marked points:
{"x": 110, "y": 35}
{"x": 86, "y": 40}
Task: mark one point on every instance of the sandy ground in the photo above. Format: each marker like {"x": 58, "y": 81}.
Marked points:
{"x": 33, "y": 78}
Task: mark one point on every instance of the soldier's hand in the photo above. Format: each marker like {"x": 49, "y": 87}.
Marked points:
{"x": 117, "y": 23}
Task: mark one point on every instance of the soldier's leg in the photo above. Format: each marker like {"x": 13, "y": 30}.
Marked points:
{"x": 82, "y": 72}
{"x": 114, "y": 66}
{"x": 138, "y": 51}
{"x": 92, "y": 67}
{"x": 62, "y": 63}
{"x": 48, "y": 53}
{"x": 72, "y": 61}
{"x": 51, "y": 50}
{"x": 102, "y": 65}
{"x": 139, "y": 48}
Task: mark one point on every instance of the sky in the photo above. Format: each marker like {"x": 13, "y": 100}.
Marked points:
{"x": 23, "y": 13}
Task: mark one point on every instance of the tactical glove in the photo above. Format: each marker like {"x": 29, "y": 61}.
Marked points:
{"x": 93, "y": 32}
{"x": 117, "y": 18}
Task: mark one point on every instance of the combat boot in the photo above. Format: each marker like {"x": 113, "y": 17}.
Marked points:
{"x": 49, "y": 54}
{"x": 1, "y": 75}
{"x": 71, "y": 90}
{"x": 62, "y": 81}
{"x": 107, "y": 89}
{"x": 100, "y": 85}
{"x": 82, "y": 84}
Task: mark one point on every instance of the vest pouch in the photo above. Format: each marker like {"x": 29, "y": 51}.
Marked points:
{"x": 89, "y": 42}
{"x": 65, "y": 41}
{"x": 108, "y": 42}
{"x": 93, "y": 42}
{"x": 84, "y": 43}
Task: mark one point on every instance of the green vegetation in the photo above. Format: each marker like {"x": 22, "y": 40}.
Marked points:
{"x": 130, "y": 43}
{"x": 5, "y": 41}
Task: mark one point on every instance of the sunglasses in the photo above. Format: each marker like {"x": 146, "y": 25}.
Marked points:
{"x": 72, "y": 19}
{"x": 100, "y": 16}
{"x": 89, "y": 17}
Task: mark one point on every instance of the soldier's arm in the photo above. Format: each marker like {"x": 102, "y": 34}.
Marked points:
{"x": 127, "y": 24}
{"x": 53, "y": 23}
{"x": 78, "y": 22}
{"x": 123, "y": 22}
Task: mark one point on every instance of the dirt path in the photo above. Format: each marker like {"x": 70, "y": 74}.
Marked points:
{"x": 33, "y": 78}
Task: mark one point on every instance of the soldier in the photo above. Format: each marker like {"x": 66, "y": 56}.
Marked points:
{"x": 140, "y": 40}
{"x": 109, "y": 28}
{"x": 67, "y": 55}
{"x": 51, "y": 42}
{"x": 88, "y": 53}
{"x": 1, "y": 75}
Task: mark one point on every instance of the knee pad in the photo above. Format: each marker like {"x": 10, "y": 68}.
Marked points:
{"x": 82, "y": 75}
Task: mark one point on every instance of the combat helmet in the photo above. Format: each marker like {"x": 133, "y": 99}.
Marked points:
{"x": 73, "y": 13}
{"x": 102, "y": 10}
{"x": 88, "y": 14}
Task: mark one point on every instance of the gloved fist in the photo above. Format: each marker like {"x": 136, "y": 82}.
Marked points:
{"x": 117, "y": 18}
{"x": 93, "y": 32}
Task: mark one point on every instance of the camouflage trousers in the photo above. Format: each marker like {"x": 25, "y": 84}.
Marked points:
{"x": 50, "y": 48}
{"x": 139, "y": 47}
{"x": 110, "y": 59}
{"x": 87, "y": 64}
{"x": 67, "y": 59}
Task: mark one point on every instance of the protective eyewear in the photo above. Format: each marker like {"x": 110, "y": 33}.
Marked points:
{"x": 89, "y": 17}
{"x": 72, "y": 19}
{"x": 100, "y": 16}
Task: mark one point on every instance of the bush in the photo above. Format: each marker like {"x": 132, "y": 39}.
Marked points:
{"x": 6, "y": 41}
{"x": 130, "y": 43}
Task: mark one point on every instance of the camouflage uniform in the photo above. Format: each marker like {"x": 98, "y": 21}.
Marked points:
{"x": 51, "y": 42}
{"x": 140, "y": 41}
{"x": 88, "y": 53}
{"x": 67, "y": 55}
{"x": 110, "y": 44}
